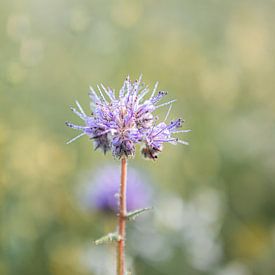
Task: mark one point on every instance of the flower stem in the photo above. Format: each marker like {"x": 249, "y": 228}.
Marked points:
{"x": 122, "y": 219}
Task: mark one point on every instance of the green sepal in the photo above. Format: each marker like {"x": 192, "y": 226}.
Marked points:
{"x": 109, "y": 238}
{"x": 134, "y": 214}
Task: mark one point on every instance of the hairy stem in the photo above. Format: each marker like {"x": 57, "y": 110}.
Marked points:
{"x": 122, "y": 219}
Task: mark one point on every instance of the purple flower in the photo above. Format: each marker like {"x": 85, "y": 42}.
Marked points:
{"x": 103, "y": 186}
{"x": 119, "y": 123}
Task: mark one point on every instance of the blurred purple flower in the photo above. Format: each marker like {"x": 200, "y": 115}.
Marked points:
{"x": 103, "y": 186}
{"x": 119, "y": 123}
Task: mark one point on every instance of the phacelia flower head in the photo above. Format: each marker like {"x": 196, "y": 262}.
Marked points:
{"x": 102, "y": 189}
{"x": 119, "y": 123}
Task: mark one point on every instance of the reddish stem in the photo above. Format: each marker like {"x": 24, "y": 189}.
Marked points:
{"x": 121, "y": 219}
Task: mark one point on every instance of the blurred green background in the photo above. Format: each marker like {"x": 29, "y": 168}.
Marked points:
{"x": 216, "y": 211}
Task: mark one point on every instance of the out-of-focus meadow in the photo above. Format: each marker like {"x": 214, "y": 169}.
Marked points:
{"x": 214, "y": 199}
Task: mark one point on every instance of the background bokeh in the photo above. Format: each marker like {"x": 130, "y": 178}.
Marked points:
{"x": 214, "y": 200}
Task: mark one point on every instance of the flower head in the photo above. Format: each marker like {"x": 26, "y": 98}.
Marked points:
{"x": 104, "y": 186}
{"x": 119, "y": 123}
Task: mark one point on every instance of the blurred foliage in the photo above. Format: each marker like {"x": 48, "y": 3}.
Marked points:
{"x": 215, "y": 57}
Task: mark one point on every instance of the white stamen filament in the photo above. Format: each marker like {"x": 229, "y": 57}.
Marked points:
{"x": 102, "y": 95}
{"x": 183, "y": 142}
{"x": 93, "y": 93}
{"x": 168, "y": 112}
{"x": 80, "y": 108}
{"x": 181, "y": 131}
{"x": 77, "y": 113}
{"x": 166, "y": 103}
{"x": 107, "y": 92}
{"x": 154, "y": 90}
{"x": 75, "y": 138}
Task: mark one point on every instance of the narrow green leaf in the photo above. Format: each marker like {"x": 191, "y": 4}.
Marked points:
{"x": 109, "y": 238}
{"x": 134, "y": 214}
